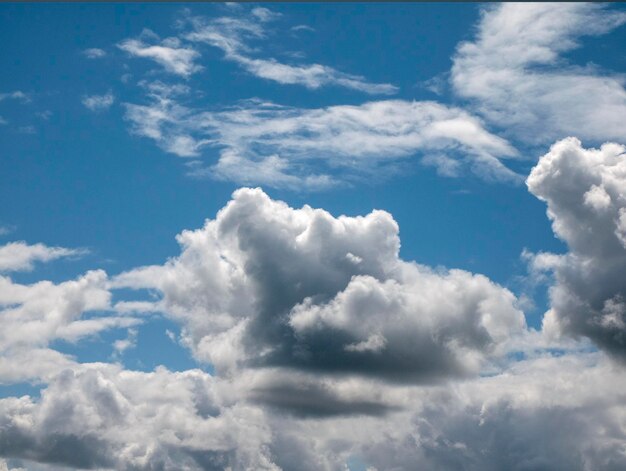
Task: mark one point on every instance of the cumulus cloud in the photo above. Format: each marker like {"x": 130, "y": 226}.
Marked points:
{"x": 233, "y": 36}
{"x": 98, "y": 102}
{"x": 329, "y": 350}
{"x": 544, "y": 413}
{"x": 266, "y": 285}
{"x": 170, "y": 53}
{"x": 517, "y": 76}
{"x": 19, "y": 256}
{"x": 585, "y": 190}
{"x": 100, "y": 416}
{"x": 294, "y": 147}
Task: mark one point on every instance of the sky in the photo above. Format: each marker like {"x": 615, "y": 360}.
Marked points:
{"x": 354, "y": 236}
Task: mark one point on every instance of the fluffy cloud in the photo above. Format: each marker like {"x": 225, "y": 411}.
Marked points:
{"x": 331, "y": 352}
{"x": 35, "y": 315}
{"x": 19, "y": 256}
{"x": 291, "y": 147}
{"x": 233, "y": 34}
{"x": 98, "y": 102}
{"x": 267, "y": 285}
{"x": 585, "y": 190}
{"x": 544, "y": 413}
{"x": 517, "y": 78}
{"x": 100, "y": 416}
{"x": 170, "y": 53}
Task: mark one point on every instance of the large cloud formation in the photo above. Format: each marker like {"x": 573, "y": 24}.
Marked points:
{"x": 268, "y": 285}
{"x": 585, "y": 190}
{"x": 330, "y": 352}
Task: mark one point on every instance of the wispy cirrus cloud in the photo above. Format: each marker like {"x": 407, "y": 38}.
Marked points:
{"x": 282, "y": 146}
{"x": 235, "y": 36}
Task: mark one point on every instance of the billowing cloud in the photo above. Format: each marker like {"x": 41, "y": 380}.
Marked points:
{"x": 19, "y": 256}
{"x": 295, "y": 147}
{"x": 233, "y": 36}
{"x": 585, "y": 190}
{"x": 330, "y": 351}
{"x": 544, "y": 413}
{"x": 100, "y": 416}
{"x": 170, "y": 53}
{"x": 267, "y": 285}
{"x": 517, "y": 77}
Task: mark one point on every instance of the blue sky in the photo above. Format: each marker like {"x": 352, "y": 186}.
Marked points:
{"x": 480, "y": 129}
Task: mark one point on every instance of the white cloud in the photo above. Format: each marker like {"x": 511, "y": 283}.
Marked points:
{"x": 94, "y": 53}
{"x": 517, "y": 77}
{"x": 585, "y": 190}
{"x": 98, "y": 102}
{"x": 232, "y": 36}
{"x": 296, "y": 148}
{"x": 19, "y": 256}
{"x": 170, "y": 53}
{"x": 35, "y": 314}
{"x": 267, "y": 285}
{"x": 329, "y": 348}
{"x": 102, "y": 416}
{"x": 546, "y": 413}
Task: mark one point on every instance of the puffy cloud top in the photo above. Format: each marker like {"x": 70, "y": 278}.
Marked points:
{"x": 585, "y": 190}
{"x": 264, "y": 285}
